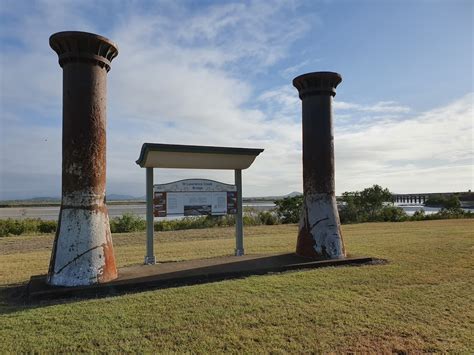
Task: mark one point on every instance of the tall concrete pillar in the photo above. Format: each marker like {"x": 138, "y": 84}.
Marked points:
{"x": 319, "y": 229}
{"x": 82, "y": 252}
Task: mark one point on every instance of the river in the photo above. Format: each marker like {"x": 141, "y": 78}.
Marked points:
{"x": 51, "y": 213}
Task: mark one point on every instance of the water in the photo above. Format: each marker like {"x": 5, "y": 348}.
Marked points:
{"x": 51, "y": 213}
{"x": 411, "y": 209}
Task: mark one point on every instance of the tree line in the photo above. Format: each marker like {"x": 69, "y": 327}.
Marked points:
{"x": 374, "y": 204}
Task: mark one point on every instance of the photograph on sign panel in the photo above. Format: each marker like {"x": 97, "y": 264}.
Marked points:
{"x": 160, "y": 198}
{"x": 197, "y": 210}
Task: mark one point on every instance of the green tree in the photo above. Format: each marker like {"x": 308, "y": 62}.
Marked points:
{"x": 452, "y": 203}
{"x": 128, "y": 222}
{"x": 366, "y": 205}
{"x": 349, "y": 211}
{"x": 371, "y": 200}
{"x": 289, "y": 209}
{"x": 447, "y": 202}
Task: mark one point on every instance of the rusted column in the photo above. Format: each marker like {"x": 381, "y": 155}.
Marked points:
{"x": 319, "y": 230}
{"x": 82, "y": 252}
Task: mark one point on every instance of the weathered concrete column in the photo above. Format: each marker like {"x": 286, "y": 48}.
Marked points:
{"x": 319, "y": 230}
{"x": 82, "y": 252}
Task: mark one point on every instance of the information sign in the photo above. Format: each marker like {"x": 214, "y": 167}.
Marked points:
{"x": 194, "y": 197}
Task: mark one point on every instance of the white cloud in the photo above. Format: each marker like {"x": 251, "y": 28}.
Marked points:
{"x": 415, "y": 154}
{"x": 379, "y": 107}
{"x": 177, "y": 81}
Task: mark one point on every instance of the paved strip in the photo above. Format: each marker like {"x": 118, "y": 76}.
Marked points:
{"x": 189, "y": 272}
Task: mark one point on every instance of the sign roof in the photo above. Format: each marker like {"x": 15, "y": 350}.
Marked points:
{"x": 158, "y": 155}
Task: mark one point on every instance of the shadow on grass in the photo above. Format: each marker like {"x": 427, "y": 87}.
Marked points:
{"x": 13, "y": 298}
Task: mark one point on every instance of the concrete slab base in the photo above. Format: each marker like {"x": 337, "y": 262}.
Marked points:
{"x": 171, "y": 274}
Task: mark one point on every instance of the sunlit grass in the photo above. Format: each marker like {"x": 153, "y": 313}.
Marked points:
{"x": 422, "y": 300}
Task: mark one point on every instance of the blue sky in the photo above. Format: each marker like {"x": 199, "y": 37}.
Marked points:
{"x": 219, "y": 73}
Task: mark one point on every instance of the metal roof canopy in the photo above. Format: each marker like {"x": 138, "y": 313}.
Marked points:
{"x": 157, "y": 155}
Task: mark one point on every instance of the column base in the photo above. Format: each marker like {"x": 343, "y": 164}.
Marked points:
{"x": 239, "y": 252}
{"x": 320, "y": 230}
{"x": 150, "y": 260}
{"x": 83, "y": 253}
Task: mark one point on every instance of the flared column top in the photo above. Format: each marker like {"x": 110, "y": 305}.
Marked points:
{"x": 317, "y": 83}
{"x": 75, "y": 46}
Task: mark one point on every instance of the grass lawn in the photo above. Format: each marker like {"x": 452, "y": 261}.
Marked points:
{"x": 421, "y": 301}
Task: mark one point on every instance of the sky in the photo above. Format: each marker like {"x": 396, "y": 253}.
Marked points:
{"x": 219, "y": 73}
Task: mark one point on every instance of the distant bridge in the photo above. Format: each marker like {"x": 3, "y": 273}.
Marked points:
{"x": 410, "y": 198}
{"x": 420, "y": 198}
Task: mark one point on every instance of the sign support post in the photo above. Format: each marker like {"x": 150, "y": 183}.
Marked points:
{"x": 239, "y": 230}
{"x": 150, "y": 256}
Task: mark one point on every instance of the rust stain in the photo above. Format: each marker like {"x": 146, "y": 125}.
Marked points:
{"x": 343, "y": 246}
{"x": 305, "y": 244}
{"x": 109, "y": 270}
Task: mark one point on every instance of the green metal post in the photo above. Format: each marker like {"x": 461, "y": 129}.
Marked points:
{"x": 239, "y": 230}
{"x": 150, "y": 256}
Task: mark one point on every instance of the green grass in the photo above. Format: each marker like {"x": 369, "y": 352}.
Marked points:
{"x": 421, "y": 301}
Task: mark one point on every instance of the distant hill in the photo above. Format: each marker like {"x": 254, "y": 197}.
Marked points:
{"x": 273, "y": 198}
{"x": 51, "y": 201}
{"x": 43, "y": 199}
{"x": 118, "y": 197}
{"x": 54, "y": 201}
{"x": 293, "y": 194}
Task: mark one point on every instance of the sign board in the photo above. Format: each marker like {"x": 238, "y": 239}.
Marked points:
{"x": 194, "y": 197}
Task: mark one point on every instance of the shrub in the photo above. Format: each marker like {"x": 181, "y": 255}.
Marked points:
{"x": 15, "y": 227}
{"x": 47, "y": 226}
{"x": 252, "y": 217}
{"x": 448, "y": 202}
{"x": 3, "y": 228}
{"x": 349, "y": 214}
{"x": 21, "y": 226}
{"x": 250, "y": 220}
{"x": 289, "y": 209}
{"x": 392, "y": 214}
{"x": 226, "y": 221}
{"x": 268, "y": 218}
{"x": 419, "y": 215}
{"x": 194, "y": 223}
{"x": 448, "y": 213}
{"x": 127, "y": 223}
